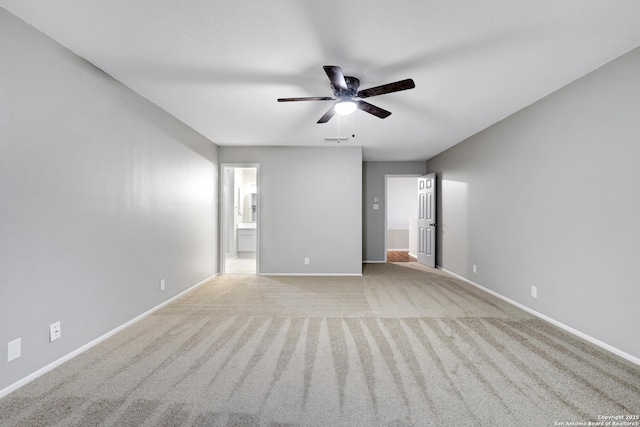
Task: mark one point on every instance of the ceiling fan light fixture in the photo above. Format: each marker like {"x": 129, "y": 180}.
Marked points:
{"x": 344, "y": 108}
{"x": 348, "y": 97}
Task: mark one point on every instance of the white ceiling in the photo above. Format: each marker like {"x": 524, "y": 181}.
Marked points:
{"x": 219, "y": 66}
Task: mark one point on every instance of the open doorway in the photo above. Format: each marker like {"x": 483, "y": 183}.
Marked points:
{"x": 401, "y": 212}
{"x": 240, "y": 212}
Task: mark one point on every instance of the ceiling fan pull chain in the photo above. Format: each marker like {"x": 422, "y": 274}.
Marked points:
{"x": 353, "y": 126}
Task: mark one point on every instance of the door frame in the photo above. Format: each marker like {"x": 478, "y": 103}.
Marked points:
{"x": 223, "y": 213}
{"x": 386, "y": 199}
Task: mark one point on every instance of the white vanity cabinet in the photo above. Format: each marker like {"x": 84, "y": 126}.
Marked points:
{"x": 247, "y": 237}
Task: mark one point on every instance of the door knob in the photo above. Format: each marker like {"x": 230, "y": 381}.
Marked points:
{"x": 433, "y": 224}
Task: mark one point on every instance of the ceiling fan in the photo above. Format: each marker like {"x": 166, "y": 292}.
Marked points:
{"x": 347, "y": 95}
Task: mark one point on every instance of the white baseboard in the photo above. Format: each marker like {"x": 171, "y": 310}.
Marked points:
{"x": 312, "y": 274}
{"x": 561, "y": 325}
{"x": 398, "y": 249}
{"x": 374, "y": 262}
{"x": 5, "y": 391}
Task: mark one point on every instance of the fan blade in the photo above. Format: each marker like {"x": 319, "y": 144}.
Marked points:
{"x": 388, "y": 88}
{"x": 372, "y": 109}
{"x": 327, "y": 116}
{"x": 336, "y": 77}
{"x": 310, "y": 98}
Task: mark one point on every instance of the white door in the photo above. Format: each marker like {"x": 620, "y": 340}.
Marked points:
{"x": 427, "y": 220}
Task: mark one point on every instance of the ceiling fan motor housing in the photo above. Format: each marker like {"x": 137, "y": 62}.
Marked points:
{"x": 352, "y": 88}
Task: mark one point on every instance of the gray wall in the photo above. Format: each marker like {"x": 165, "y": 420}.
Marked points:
{"x": 102, "y": 194}
{"x": 550, "y": 197}
{"x": 309, "y": 207}
{"x": 373, "y": 221}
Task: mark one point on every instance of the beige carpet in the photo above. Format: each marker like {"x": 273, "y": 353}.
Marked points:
{"x": 399, "y": 346}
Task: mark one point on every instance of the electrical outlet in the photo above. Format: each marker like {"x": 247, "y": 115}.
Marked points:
{"x": 55, "y": 331}
{"x": 14, "y": 349}
{"x": 475, "y": 269}
{"x": 534, "y": 291}
{"x": 162, "y": 284}
{"x": 306, "y": 261}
